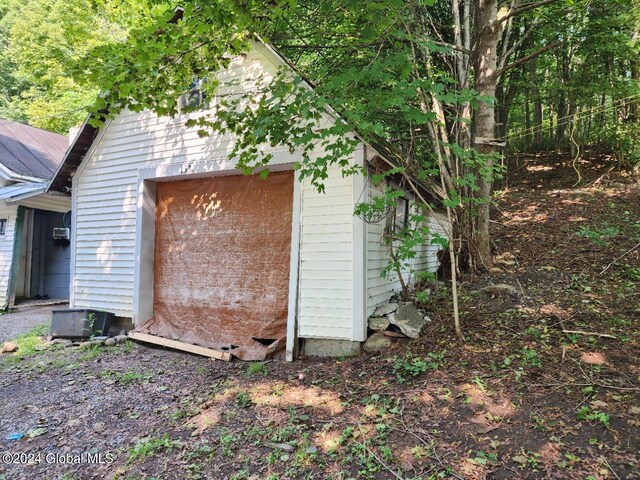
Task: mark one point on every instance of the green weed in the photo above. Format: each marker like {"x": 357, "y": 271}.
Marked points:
{"x": 412, "y": 366}
{"x": 255, "y": 369}
{"x": 148, "y": 447}
{"x": 599, "y": 236}
{"x": 585, "y": 413}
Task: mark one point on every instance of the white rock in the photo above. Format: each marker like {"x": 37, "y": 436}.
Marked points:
{"x": 376, "y": 342}
{"x": 409, "y": 320}
{"x": 385, "y": 309}
{"x": 378, "y": 323}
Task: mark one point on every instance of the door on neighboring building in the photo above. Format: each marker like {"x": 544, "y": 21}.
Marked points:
{"x": 43, "y": 263}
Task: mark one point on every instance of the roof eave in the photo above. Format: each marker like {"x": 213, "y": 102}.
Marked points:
{"x": 78, "y": 148}
{"x": 11, "y": 176}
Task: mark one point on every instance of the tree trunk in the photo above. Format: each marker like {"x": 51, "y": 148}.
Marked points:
{"x": 485, "y": 63}
{"x": 527, "y": 119}
{"x": 562, "y": 103}
{"x": 635, "y": 75}
{"x": 537, "y": 106}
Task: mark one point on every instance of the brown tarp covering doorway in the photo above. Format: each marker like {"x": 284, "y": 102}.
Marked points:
{"x": 222, "y": 255}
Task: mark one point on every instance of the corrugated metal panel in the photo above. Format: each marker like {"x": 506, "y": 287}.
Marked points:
{"x": 10, "y": 213}
{"x": 19, "y": 189}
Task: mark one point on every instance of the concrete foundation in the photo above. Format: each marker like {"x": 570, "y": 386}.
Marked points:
{"x": 322, "y": 347}
{"x": 120, "y": 323}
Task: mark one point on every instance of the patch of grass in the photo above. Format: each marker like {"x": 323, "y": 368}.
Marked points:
{"x": 126, "y": 378}
{"x": 91, "y": 352}
{"x": 27, "y": 342}
{"x": 255, "y": 369}
{"x": 55, "y": 363}
{"x": 200, "y": 450}
{"x": 127, "y": 346}
{"x": 188, "y": 410}
{"x": 227, "y": 441}
{"x": 530, "y": 357}
{"x": 148, "y": 447}
{"x": 243, "y": 399}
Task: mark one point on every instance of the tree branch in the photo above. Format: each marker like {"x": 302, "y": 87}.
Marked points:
{"x": 516, "y": 45}
{"x": 531, "y": 56}
{"x": 524, "y": 8}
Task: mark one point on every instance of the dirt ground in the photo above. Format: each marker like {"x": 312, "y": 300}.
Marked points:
{"x": 525, "y": 397}
{"x": 17, "y": 323}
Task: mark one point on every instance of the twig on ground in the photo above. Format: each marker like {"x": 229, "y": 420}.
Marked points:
{"x": 521, "y": 289}
{"x": 590, "y": 384}
{"x": 559, "y": 245}
{"x": 599, "y": 179}
{"x": 621, "y": 256}
{"x": 500, "y": 223}
{"x": 589, "y": 334}
{"x": 379, "y": 460}
{"x": 430, "y": 447}
{"x": 610, "y": 468}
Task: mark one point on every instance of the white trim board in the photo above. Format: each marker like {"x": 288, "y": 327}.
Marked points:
{"x": 359, "y": 252}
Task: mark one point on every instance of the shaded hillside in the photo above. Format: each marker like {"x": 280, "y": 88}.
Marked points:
{"x": 526, "y": 397}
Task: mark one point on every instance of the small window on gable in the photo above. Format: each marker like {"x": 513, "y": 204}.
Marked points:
{"x": 3, "y": 226}
{"x": 397, "y": 219}
{"x": 401, "y": 213}
{"x": 194, "y": 98}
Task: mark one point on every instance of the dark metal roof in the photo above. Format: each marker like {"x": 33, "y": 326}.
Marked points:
{"x": 30, "y": 151}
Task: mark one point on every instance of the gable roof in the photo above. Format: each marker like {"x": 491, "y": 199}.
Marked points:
{"x": 88, "y": 133}
{"x": 27, "y": 151}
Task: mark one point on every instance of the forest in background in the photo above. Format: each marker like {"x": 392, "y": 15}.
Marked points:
{"x": 447, "y": 86}
{"x": 583, "y": 91}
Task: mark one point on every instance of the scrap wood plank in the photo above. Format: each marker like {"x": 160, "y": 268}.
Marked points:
{"x": 186, "y": 347}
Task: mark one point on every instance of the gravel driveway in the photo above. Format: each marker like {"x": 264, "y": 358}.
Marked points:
{"x": 14, "y": 324}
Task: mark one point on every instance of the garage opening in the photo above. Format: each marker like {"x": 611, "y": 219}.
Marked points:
{"x": 221, "y": 263}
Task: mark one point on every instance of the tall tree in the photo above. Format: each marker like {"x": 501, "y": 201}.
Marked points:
{"x": 42, "y": 40}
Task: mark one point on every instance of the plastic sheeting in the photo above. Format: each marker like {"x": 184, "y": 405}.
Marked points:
{"x": 222, "y": 255}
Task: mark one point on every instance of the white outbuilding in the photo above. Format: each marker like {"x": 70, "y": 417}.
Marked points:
{"x": 168, "y": 233}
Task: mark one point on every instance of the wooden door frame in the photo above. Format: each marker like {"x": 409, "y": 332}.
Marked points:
{"x": 23, "y": 239}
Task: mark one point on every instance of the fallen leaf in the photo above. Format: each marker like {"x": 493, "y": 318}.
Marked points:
{"x": 521, "y": 459}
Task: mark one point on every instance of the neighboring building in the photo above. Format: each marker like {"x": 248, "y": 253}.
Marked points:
{"x": 168, "y": 233}
{"x": 33, "y": 264}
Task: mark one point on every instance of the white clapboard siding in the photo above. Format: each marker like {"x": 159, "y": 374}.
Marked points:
{"x": 48, "y": 201}
{"x": 379, "y": 288}
{"x": 10, "y": 213}
{"x": 106, "y": 196}
{"x": 438, "y": 224}
{"x": 326, "y": 260}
